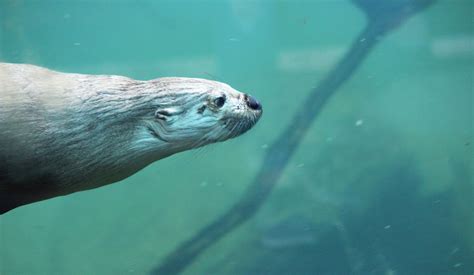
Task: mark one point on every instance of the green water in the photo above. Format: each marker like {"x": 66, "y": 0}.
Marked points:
{"x": 381, "y": 184}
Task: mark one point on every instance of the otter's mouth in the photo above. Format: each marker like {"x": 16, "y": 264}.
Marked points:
{"x": 239, "y": 125}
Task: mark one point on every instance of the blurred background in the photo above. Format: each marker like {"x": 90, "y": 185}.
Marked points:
{"x": 381, "y": 184}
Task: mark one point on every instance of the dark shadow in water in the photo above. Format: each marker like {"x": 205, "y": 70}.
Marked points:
{"x": 382, "y": 17}
{"x": 405, "y": 232}
{"x": 400, "y": 232}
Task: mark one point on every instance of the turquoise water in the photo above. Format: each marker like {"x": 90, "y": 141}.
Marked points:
{"x": 380, "y": 184}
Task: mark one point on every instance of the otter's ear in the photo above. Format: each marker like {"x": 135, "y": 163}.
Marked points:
{"x": 165, "y": 113}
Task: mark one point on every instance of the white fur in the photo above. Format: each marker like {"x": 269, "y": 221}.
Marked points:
{"x": 89, "y": 130}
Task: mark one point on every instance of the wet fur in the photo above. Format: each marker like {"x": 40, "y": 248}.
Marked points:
{"x": 61, "y": 133}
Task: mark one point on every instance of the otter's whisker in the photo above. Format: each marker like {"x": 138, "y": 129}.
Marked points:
{"x": 232, "y": 131}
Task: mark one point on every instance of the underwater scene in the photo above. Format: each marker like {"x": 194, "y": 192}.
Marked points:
{"x": 359, "y": 159}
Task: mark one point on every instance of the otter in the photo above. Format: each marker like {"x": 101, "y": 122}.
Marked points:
{"x": 62, "y": 133}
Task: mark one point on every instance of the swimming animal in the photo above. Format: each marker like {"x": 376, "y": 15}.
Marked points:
{"x": 61, "y": 133}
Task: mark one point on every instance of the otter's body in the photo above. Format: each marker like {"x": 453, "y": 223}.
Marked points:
{"x": 61, "y": 133}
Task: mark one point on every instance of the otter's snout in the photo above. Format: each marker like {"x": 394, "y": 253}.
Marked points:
{"x": 252, "y": 103}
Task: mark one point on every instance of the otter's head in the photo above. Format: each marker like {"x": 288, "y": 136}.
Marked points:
{"x": 190, "y": 113}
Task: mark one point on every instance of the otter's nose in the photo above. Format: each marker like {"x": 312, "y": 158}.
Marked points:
{"x": 252, "y": 103}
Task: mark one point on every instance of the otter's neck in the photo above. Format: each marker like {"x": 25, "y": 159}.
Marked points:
{"x": 103, "y": 131}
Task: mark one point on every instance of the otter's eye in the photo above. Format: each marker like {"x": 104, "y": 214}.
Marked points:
{"x": 220, "y": 101}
